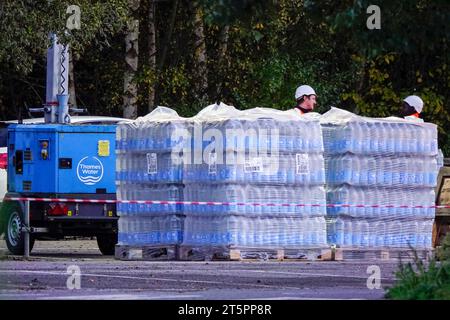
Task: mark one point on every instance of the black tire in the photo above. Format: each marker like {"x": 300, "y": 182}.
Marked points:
{"x": 107, "y": 243}
{"x": 15, "y": 238}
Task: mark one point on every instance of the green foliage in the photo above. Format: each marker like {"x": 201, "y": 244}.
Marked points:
{"x": 418, "y": 281}
{"x": 26, "y": 24}
{"x": 430, "y": 283}
{"x": 224, "y": 12}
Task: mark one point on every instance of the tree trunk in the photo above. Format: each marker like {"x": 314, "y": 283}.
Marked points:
{"x": 200, "y": 71}
{"x": 72, "y": 93}
{"x": 168, "y": 36}
{"x": 222, "y": 51}
{"x": 151, "y": 53}
{"x": 131, "y": 60}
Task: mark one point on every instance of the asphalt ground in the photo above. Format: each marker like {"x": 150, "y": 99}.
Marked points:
{"x": 52, "y": 272}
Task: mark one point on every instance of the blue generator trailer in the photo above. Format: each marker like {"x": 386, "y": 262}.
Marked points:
{"x": 52, "y": 162}
{"x": 61, "y": 161}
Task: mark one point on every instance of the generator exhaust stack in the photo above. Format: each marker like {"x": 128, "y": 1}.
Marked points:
{"x": 55, "y": 110}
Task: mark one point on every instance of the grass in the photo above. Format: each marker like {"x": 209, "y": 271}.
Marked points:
{"x": 420, "y": 281}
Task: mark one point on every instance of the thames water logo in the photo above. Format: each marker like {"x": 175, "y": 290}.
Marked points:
{"x": 90, "y": 170}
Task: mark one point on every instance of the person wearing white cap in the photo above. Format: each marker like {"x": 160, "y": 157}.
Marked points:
{"x": 412, "y": 107}
{"x": 306, "y": 99}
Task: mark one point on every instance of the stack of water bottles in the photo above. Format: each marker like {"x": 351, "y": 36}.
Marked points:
{"x": 252, "y": 168}
{"x": 148, "y": 168}
{"x": 381, "y": 175}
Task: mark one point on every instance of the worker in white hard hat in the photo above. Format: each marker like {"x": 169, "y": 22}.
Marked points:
{"x": 306, "y": 99}
{"x": 412, "y": 107}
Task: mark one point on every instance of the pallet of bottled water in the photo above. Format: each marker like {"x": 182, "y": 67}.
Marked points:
{"x": 257, "y": 163}
{"x": 147, "y": 169}
{"x": 380, "y": 175}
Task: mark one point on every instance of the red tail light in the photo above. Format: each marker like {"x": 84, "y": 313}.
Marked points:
{"x": 57, "y": 209}
{"x": 3, "y": 160}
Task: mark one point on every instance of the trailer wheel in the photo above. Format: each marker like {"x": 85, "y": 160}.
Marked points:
{"x": 107, "y": 243}
{"x": 15, "y": 238}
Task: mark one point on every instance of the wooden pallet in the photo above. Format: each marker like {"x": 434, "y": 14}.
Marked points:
{"x": 196, "y": 253}
{"x": 302, "y": 254}
{"x": 231, "y": 253}
{"x": 147, "y": 252}
{"x": 385, "y": 254}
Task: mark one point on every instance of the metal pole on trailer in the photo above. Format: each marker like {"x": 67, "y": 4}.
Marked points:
{"x": 27, "y": 229}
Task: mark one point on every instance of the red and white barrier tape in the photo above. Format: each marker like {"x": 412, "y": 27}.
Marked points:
{"x": 59, "y": 200}
{"x": 208, "y": 203}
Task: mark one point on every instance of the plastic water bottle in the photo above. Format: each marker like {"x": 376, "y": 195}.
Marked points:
{"x": 353, "y": 201}
{"x": 371, "y": 172}
{"x": 391, "y": 138}
{"x": 433, "y": 141}
{"x": 380, "y": 229}
{"x": 367, "y": 132}
{"x": 348, "y": 233}
{"x": 356, "y": 171}
{"x": 257, "y": 234}
{"x": 356, "y": 234}
{"x": 412, "y": 138}
{"x": 347, "y": 166}
{"x": 272, "y": 137}
{"x": 339, "y": 232}
{"x": 408, "y": 138}
{"x": 390, "y": 234}
{"x": 414, "y": 234}
{"x": 290, "y": 232}
{"x": 319, "y": 223}
{"x": 317, "y": 137}
{"x": 307, "y": 232}
{"x": 397, "y": 234}
{"x": 373, "y": 136}
{"x": 365, "y": 233}
{"x": 277, "y": 224}
{"x": 323, "y": 233}
{"x": 233, "y": 229}
{"x": 397, "y": 137}
{"x": 295, "y": 138}
{"x": 355, "y": 137}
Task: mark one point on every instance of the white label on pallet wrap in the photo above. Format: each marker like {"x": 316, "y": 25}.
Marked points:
{"x": 253, "y": 165}
{"x": 152, "y": 163}
{"x": 302, "y": 163}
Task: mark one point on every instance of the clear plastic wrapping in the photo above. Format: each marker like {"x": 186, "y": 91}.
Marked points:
{"x": 254, "y": 231}
{"x": 262, "y": 157}
{"x": 346, "y": 231}
{"x": 260, "y": 176}
{"x": 281, "y": 169}
{"x": 386, "y": 170}
{"x": 250, "y": 160}
{"x": 346, "y": 132}
{"x": 244, "y": 199}
{"x": 157, "y": 229}
{"x": 146, "y": 169}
